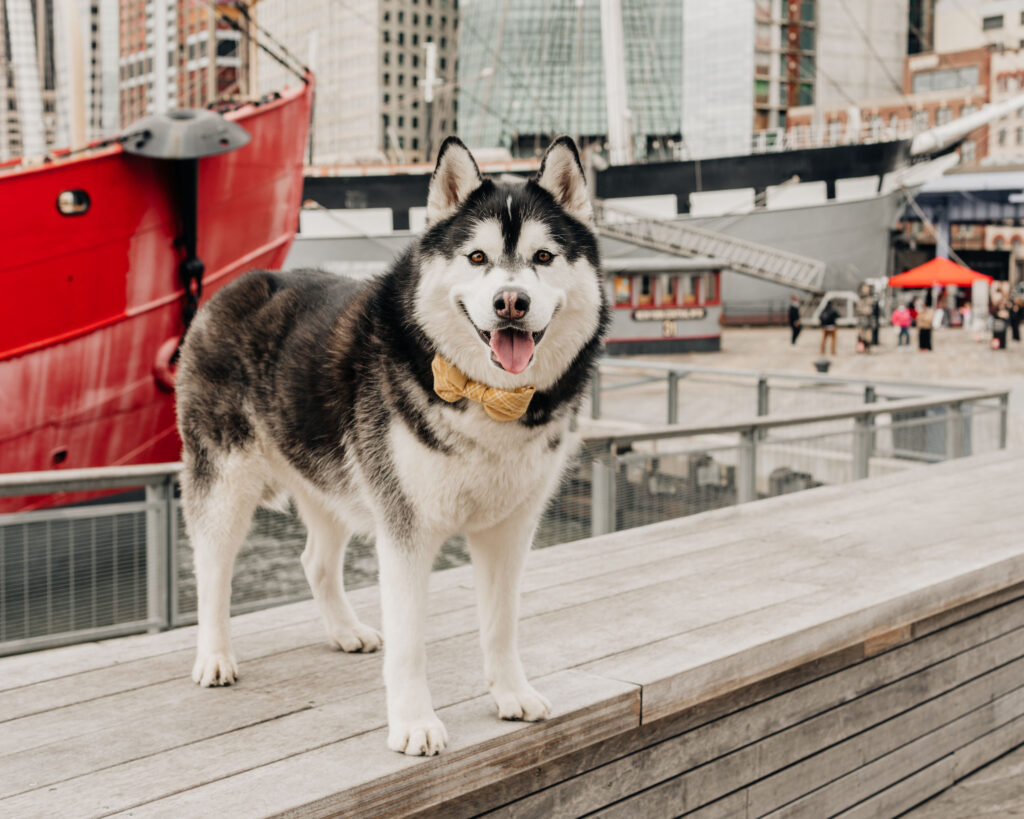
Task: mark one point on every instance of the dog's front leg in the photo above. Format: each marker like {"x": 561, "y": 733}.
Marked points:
{"x": 499, "y": 555}
{"x": 413, "y": 727}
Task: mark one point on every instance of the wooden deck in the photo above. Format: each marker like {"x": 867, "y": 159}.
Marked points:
{"x": 855, "y": 647}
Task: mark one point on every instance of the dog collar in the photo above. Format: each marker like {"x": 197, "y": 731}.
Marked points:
{"x": 451, "y": 384}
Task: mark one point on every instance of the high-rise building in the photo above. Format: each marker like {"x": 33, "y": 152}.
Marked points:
{"x": 370, "y": 60}
{"x": 182, "y": 54}
{"x": 532, "y": 69}
{"x": 967, "y": 24}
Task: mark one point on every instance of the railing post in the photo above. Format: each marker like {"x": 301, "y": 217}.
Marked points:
{"x": 762, "y": 395}
{"x": 955, "y": 431}
{"x": 673, "y": 397}
{"x": 762, "y": 402}
{"x": 746, "y": 467}
{"x": 159, "y": 498}
{"x": 602, "y": 493}
{"x": 871, "y": 397}
{"x": 862, "y": 434}
{"x": 595, "y": 393}
{"x": 1004, "y": 402}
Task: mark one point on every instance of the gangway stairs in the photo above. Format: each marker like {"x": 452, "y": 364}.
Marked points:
{"x": 681, "y": 239}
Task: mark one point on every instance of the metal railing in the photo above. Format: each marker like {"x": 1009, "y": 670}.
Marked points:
{"x": 121, "y": 564}
{"x": 737, "y": 393}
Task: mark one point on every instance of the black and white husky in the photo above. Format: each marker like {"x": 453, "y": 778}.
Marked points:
{"x": 324, "y": 388}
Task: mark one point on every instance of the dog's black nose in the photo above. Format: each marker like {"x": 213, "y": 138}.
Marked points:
{"x": 511, "y": 304}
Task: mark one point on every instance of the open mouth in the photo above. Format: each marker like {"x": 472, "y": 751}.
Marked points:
{"x": 512, "y": 347}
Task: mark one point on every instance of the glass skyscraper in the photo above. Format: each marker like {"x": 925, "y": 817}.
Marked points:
{"x": 532, "y": 69}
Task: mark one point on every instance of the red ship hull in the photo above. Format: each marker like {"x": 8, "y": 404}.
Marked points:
{"x": 88, "y": 301}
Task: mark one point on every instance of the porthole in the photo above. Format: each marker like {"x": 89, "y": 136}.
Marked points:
{"x": 73, "y": 202}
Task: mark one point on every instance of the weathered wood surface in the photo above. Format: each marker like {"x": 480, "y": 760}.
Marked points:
{"x": 685, "y": 661}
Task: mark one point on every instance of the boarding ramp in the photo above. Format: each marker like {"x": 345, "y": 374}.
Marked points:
{"x": 683, "y": 239}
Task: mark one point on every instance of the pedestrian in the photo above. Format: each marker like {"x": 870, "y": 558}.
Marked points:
{"x": 1016, "y": 314}
{"x": 794, "y": 318}
{"x": 1000, "y": 321}
{"x": 901, "y": 318}
{"x": 829, "y": 316}
{"x": 925, "y": 319}
{"x": 876, "y": 321}
{"x": 863, "y": 311}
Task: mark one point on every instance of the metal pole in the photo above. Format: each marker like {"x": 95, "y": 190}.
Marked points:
{"x": 746, "y": 467}
{"x": 158, "y": 506}
{"x": 595, "y": 393}
{"x": 673, "y": 397}
{"x": 862, "y": 435}
{"x": 955, "y": 431}
{"x": 1004, "y": 401}
{"x": 762, "y": 395}
{"x": 602, "y": 494}
{"x": 871, "y": 397}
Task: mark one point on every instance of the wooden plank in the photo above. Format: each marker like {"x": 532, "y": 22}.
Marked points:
{"x": 594, "y": 577}
{"x": 361, "y": 777}
{"x": 858, "y": 751}
{"x": 690, "y": 667}
{"x": 857, "y": 755}
{"x": 878, "y": 689}
{"x": 923, "y": 767}
{"x": 51, "y": 747}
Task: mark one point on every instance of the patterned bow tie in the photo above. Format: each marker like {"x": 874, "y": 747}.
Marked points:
{"x": 502, "y": 405}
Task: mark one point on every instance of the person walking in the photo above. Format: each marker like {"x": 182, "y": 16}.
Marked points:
{"x": 901, "y": 318}
{"x": 794, "y": 318}
{"x": 863, "y": 310}
{"x": 829, "y": 317}
{"x": 1016, "y": 315}
{"x": 925, "y": 320}
{"x": 1000, "y": 321}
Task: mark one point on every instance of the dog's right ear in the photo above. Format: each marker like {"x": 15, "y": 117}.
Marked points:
{"x": 455, "y": 177}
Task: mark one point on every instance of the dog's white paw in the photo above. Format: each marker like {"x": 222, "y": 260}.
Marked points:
{"x": 215, "y": 668}
{"x": 521, "y": 702}
{"x": 360, "y": 638}
{"x": 426, "y": 736}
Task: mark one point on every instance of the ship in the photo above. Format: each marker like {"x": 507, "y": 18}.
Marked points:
{"x": 107, "y": 253}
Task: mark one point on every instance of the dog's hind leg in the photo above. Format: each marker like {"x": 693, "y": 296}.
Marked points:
{"x": 324, "y": 564}
{"x": 218, "y": 504}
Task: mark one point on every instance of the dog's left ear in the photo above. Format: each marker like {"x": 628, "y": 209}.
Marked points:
{"x": 561, "y": 175}
{"x": 455, "y": 177}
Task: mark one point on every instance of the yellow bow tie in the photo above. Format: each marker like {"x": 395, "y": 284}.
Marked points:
{"x": 502, "y": 405}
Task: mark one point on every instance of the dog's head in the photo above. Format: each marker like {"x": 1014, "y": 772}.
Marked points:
{"x": 509, "y": 287}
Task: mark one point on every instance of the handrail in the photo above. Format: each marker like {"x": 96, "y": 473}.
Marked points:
{"x": 666, "y": 367}
{"x": 771, "y": 421}
{"x": 17, "y": 484}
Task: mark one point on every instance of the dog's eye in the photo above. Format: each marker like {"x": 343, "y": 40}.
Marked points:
{"x": 477, "y": 257}
{"x": 543, "y": 257}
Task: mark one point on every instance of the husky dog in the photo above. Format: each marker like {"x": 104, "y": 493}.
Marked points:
{"x": 434, "y": 400}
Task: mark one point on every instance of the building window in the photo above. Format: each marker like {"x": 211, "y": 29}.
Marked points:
{"x": 943, "y": 115}
{"x": 668, "y": 291}
{"x": 401, "y": 79}
{"x": 415, "y": 143}
{"x": 401, "y": 58}
{"x": 688, "y": 289}
{"x": 645, "y": 298}
{"x": 401, "y": 122}
{"x": 1020, "y": 135}
{"x": 709, "y": 288}
{"x": 416, "y": 123}
{"x": 993, "y": 22}
{"x": 622, "y": 291}
{"x": 387, "y": 58}
{"x": 1002, "y": 136}
{"x": 920, "y": 120}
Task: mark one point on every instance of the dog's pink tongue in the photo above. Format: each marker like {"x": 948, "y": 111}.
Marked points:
{"x": 513, "y": 348}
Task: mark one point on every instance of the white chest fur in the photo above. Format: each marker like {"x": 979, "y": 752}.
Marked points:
{"x": 495, "y": 469}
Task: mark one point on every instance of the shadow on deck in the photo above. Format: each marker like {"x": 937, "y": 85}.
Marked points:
{"x": 856, "y": 647}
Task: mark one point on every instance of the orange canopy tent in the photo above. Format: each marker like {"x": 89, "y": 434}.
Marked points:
{"x": 938, "y": 271}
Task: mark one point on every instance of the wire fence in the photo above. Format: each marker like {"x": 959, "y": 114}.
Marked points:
{"x": 122, "y": 563}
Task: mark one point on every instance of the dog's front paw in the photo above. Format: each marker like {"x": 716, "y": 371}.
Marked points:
{"x": 357, "y": 638}
{"x": 426, "y": 736}
{"x": 215, "y": 668}
{"x": 521, "y": 702}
